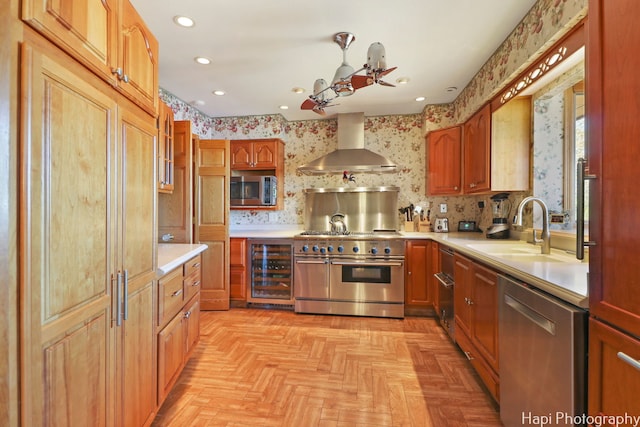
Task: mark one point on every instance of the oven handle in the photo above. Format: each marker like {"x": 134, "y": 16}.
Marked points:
{"x": 442, "y": 278}
{"x": 371, "y": 263}
{"x": 312, "y": 261}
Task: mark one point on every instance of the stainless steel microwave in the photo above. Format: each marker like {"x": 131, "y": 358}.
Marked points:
{"x": 253, "y": 191}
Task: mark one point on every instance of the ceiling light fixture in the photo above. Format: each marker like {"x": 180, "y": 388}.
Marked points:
{"x": 219, "y": 92}
{"x": 452, "y": 89}
{"x": 284, "y": 107}
{"x": 202, "y": 60}
{"x": 297, "y": 90}
{"x": 346, "y": 80}
{"x": 402, "y": 80}
{"x": 420, "y": 99}
{"x": 184, "y": 21}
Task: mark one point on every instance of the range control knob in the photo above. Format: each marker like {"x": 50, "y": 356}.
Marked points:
{"x": 374, "y": 250}
{"x": 323, "y": 250}
{"x": 305, "y": 248}
{"x": 315, "y": 248}
{"x": 330, "y": 248}
{"x": 387, "y": 250}
{"x": 340, "y": 248}
{"x": 356, "y": 249}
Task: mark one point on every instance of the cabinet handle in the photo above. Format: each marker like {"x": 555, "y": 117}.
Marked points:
{"x": 125, "y": 78}
{"x": 469, "y": 356}
{"x": 455, "y": 188}
{"x": 125, "y": 294}
{"x": 629, "y": 360}
{"x": 176, "y": 293}
{"x": 196, "y": 283}
{"x": 196, "y": 265}
{"x": 117, "y": 71}
{"x": 119, "y": 300}
{"x": 187, "y": 314}
{"x": 581, "y": 177}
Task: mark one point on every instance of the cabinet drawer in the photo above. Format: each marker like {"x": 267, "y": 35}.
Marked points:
{"x": 192, "y": 284}
{"x": 488, "y": 377}
{"x": 192, "y": 265}
{"x": 171, "y": 295}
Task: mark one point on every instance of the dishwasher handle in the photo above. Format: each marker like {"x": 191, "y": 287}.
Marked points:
{"x": 531, "y": 314}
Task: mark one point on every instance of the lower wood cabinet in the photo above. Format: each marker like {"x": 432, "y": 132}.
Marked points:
{"x": 614, "y": 373}
{"x": 419, "y": 284}
{"x": 178, "y": 321}
{"x": 476, "y": 317}
{"x": 238, "y": 270}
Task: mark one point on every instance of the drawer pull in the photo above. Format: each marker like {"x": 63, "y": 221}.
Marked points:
{"x": 629, "y": 360}
{"x": 177, "y": 293}
{"x": 187, "y": 314}
{"x": 196, "y": 283}
{"x": 196, "y": 265}
{"x": 469, "y": 356}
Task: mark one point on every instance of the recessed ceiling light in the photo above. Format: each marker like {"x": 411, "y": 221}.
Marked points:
{"x": 420, "y": 98}
{"x": 402, "y": 80}
{"x": 452, "y": 89}
{"x": 218, "y": 92}
{"x": 284, "y": 107}
{"x": 198, "y": 102}
{"x": 297, "y": 90}
{"x": 202, "y": 60}
{"x": 184, "y": 21}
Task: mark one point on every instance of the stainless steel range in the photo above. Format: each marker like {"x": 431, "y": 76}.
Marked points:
{"x": 358, "y": 274}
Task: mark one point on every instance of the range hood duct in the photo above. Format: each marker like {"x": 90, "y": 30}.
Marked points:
{"x": 351, "y": 155}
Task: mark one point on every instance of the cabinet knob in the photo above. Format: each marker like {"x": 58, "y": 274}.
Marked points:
{"x": 117, "y": 71}
{"x": 125, "y": 78}
{"x": 187, "y": 314}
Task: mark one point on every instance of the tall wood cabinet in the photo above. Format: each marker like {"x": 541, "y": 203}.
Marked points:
{"x": 89, "y": 243}
{"x": 175, "y": 209}
{"x": 212, "y": 220}
{"x": 444, "y": 161}
{"x": 612, "y": 86}
{"x": 476, "y": 317}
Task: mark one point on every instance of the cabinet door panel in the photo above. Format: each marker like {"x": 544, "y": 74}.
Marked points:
{"x": 265, "y": 154}
{"x": 484, "y": 332}
{"x": 170, "y": 355}
{"x": 67, "y": 156}
{"x": 87, "y": 29}
{"x": 418, "y": 291}
{"x": 477, "y": 152}
{"x": 444, "y": 174}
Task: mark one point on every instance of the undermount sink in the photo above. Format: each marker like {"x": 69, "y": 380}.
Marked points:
{"x": 523, "y": 252}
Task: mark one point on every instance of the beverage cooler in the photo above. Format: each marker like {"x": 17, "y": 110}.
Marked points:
{"x": 270, "y": 271}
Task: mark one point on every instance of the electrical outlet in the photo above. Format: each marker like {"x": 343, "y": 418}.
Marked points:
{"x": 443, "y": 208}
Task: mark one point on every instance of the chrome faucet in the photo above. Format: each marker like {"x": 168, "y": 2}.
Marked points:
{"x": 546, "y": 235}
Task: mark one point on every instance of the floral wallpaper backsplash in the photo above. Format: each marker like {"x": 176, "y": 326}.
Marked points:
{"x": 400, "y": 138}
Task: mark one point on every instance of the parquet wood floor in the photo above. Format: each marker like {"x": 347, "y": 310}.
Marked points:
{"x": 257, "y": 367}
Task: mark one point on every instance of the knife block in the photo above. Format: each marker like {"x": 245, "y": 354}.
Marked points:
{"x": 410, "y": 226}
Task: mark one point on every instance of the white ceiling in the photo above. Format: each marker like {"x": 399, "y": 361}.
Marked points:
{"x": 260, "y": 50}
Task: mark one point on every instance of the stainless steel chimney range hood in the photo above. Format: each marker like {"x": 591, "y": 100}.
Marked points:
{"x": 351, "y": 155}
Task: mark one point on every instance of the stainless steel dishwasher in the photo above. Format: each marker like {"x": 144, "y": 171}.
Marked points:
{"x": 542, "y": 356}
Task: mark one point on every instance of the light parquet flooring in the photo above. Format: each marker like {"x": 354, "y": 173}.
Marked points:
{"x": 257, "y": 367}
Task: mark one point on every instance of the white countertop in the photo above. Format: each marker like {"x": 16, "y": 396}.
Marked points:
{"x": 172, "y": 255}
{"x": 566, "y": 280}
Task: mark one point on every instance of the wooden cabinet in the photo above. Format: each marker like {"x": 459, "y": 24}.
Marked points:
{"x": 477, "y": 152}
{"x": 179, "y": 322}
{"x": 259, "y": 157}
{"x": 614, "y": 384}
{"x": 257, "y": 154}
{"x": 87, "y": 165}
{"x": 108, "y": 37}
{"x": 212, "y": 221}
{"x": 496, "y": 151}
{"x": 165, "y": 149}
{"x": 419, "y": 282}
{"x": 238, "y": 270}
{"x": 444, "y": 160}
{"x": 175, "y": 209}
{"x": 476, "y": 317}
{"x": 611, "y": 95}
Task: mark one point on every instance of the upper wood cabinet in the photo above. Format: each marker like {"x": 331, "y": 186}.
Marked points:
{"x": 257, "y": 154}
{"x": 165, "y": 149}
{"x": 108, "y": 37}
{"x": 444, "y": 157}
{"x": 477, "y": 152}
{"x": 259, "y": 157}
{"x": 497, "y": 149}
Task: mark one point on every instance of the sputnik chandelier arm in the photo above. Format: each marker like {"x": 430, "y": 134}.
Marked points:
{"x": 347, "y": 80}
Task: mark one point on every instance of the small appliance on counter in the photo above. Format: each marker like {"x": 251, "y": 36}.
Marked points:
{"x": 500, "y": 208}
{"x": 441, "y": 225}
